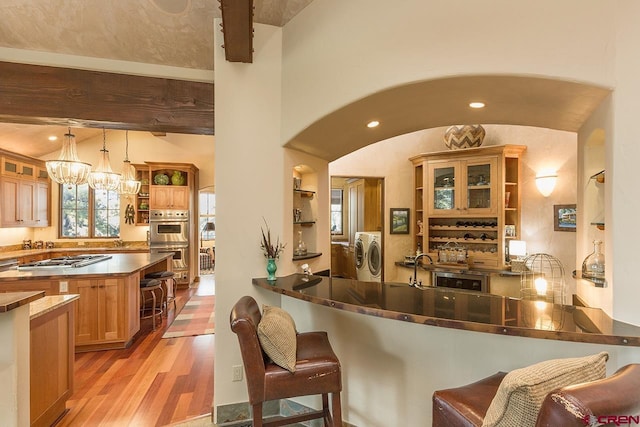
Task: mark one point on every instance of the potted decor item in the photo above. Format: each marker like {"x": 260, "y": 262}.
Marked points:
{"x": 271, "y": 252}
{"x": 464, "y": 136}
{"x": 177, "y": 178}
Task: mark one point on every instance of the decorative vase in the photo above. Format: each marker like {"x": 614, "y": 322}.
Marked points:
{"x": 464, "y": 136}
{"x": 271, "y": 269}
{"x": 177, "y": 178}
{"x": 593, "y": 265}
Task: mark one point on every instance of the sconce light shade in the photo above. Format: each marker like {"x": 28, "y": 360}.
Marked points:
{"x": 546, "y": 183}
{"x": 517, "y": 248}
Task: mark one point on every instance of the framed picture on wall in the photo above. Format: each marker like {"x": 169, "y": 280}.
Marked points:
{"x": 564, "y": 217}
{"x": 399, "y": 221}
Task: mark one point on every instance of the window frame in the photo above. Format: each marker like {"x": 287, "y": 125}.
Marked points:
{"x": 342, "y": 212}
{"x": 91, "y": 216}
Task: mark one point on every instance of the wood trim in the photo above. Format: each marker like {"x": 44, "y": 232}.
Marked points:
{"x": 237, "y": 28}
{"x": 35, "y": 94}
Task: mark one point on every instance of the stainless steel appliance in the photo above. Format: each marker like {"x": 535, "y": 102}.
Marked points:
{"x": 64, "y": 262}
{"x": 168, "y": 227}
{"x": 471, "y": 282}
{"x": 169, "y": 233}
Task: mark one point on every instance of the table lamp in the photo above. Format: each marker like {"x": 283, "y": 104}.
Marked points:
{"x": 207, "y": 227}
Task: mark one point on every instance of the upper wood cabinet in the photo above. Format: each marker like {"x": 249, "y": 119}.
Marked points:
{"x": 469, "y": 198}
{"x": 17, "y": 168}
{"x": 24, "y": 192}
{"x": 172, "y": 185}
{"x": 169, "y": 197}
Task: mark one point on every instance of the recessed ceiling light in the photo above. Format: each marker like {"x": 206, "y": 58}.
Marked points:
{"x": 373, "y": 123}
{"x": 476, "y": 104}
{"x": 53, "y": 138}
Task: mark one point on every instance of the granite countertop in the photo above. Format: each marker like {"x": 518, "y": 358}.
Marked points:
{"x": 458, "y": 309}
{"x": 462, "y": 269}
{"x": 81, "y": 249}
{"x": 117, "y": 265}
{"x": 12, "y": 300}
{"x": 47, "y": 304}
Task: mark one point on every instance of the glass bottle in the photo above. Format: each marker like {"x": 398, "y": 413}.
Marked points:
{"x": 301, "y": 249}
{"x": 593, "y": 265}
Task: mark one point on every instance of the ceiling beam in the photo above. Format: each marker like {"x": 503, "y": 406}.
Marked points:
{"x": 35, "y": 94}
{"x": 237, "y": 27}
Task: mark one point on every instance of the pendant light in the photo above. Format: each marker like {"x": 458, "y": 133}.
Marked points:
{"x": 103, "y": 178}
{"x": 68, "y": 169}
{"x": 128, "y": 183}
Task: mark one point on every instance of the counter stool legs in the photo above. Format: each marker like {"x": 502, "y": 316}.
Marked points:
{"x": 165, "y": 277}
{"x": 148, "y": 288}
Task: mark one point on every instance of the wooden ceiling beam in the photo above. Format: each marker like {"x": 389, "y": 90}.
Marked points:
{"x": 35, "y": 94}
{"x": 237, "y": 27}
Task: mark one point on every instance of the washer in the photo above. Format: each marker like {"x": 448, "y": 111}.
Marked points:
{"x": 368, "y": 256}
{"x": 374, "y": 257}
{"x": 360, "y": 254}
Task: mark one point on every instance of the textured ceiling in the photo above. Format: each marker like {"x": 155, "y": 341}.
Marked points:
{"x": 167, "y": 32}
{"x": 178, "y": 33}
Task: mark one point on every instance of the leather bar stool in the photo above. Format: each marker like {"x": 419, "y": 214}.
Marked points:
{"x": 317, "y": 370}
{"x": 165, "y": 277}
{"x": 150, "y": 304}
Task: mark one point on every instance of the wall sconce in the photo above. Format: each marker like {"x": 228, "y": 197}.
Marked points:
{"x": 546, "y": 182}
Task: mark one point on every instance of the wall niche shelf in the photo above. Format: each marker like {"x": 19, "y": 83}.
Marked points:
{"x": 309, "y": 255}
{"x": 599, "y": 283}
{"x": 599, "y": 177}
{"x": 305, "y": 223}
{"x": 305, "y": 193}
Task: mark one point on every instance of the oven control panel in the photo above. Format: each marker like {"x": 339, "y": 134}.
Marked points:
{"x": 168, "y": 215}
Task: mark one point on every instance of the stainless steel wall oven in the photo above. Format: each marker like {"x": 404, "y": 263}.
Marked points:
{"x": 169, "y": 232}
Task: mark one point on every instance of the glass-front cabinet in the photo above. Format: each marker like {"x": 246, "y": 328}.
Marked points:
{"x": 468, "y": 200}
{"x": 463, "y": 187}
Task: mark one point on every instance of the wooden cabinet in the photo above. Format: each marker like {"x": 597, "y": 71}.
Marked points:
{"x": 142, "y": 198}
{"x": 468, "y": 198}
{"x": 463, "y": 187}
{"x": 364, "y": 196}
{"x": 168, "y": 192}
{"x": 169, "y": 197}
{"x": 52, "y": 345}
{"x": 100, "y": 315}
{"x": 18, "y": 168}
{"x": 24, "y": 193}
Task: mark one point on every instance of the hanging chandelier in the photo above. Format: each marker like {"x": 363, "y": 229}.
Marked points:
{"x": 128, "y": 183}
{"x": 103, "y": 178}
{"x": 68, "y": 169}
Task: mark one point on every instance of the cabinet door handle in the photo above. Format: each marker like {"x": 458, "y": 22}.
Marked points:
{"x": 93, "y": 286}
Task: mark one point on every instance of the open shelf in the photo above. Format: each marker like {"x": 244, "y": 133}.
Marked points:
{"x": 599, "y": 283}
{"x": 307, "y": 256}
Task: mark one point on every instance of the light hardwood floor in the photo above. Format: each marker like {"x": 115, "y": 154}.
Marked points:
{"x": 155, "y": 382}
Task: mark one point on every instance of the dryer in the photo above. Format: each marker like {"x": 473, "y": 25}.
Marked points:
{"x": 368, "y": 256}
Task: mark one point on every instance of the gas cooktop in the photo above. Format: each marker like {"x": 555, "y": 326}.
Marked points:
{"x": 63, "y": 262}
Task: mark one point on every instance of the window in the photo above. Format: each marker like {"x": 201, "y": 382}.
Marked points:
{"x": 207, "y": 206}
{"x": 87, "y": 213}
{"x": 336, "y": 211}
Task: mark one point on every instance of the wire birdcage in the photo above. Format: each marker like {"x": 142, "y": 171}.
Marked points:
{"x": 542, "y": 279}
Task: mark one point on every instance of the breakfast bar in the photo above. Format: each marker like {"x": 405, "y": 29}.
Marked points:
{"x": 458, "y": 309}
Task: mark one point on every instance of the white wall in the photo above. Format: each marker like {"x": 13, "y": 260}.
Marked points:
{"x": 253, "y": 180}
{"x": 546, "y": 148}
{"x": 336, "y": 52}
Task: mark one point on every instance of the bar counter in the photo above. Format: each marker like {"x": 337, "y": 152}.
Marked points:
{"x": 466, "y": 310}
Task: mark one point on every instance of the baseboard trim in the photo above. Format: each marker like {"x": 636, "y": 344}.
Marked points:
{"x": 239, "y": 414}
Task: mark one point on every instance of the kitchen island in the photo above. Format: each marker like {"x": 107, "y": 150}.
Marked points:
{"x": 458, "y": 309}
{"x": 107, "y": 313}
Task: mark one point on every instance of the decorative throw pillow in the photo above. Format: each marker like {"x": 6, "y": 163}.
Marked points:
{"x": 277, "y": 335}
{"x": 520, "y": 395}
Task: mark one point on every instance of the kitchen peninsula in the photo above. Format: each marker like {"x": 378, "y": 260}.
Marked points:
{"x": 107, "y": 312}
{"x": 458, "y": 309}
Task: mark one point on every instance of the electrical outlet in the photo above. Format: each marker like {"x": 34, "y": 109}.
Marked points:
{"x": 237, "y": 373}
{"x": 63, "y": 287}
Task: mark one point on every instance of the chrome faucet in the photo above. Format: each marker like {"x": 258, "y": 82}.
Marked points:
{"x": 414, "y": 281}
